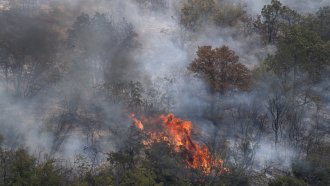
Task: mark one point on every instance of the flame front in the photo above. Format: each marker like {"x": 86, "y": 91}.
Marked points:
{"x": 178, "y": 133}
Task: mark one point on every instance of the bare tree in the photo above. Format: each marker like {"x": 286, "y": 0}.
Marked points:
{"x": 277, "y": 108}
{"x": 251, "y": 123}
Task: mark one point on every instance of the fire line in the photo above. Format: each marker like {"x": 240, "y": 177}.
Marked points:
{"x": 177, "y": 132}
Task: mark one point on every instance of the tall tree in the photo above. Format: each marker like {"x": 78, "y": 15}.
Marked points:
{"x": 219, "y": 67}
{"x": 323, "y": 16}
{"x": 274, "y": 16}
{"x": 300, "y": 49}
{"x": 196, "y": 12}
{"x": 271, "y": 15}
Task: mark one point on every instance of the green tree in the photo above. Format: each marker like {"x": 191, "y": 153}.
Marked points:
{"x": 22, "y": 169}
{"x": 271, "y": 15}
{"x": 196, "y": 12}
{"x": 323, "y": 18}
{"x": 47, "y": 174}
{"x": 18, "y": 168}
{"x": 300, "y": 49}
{"x": 274, "y": 16}
{"x": 313, "y": 172}
{"x": 229, "y": 15}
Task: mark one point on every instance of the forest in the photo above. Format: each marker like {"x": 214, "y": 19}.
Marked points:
{"x": 164, "y": 92}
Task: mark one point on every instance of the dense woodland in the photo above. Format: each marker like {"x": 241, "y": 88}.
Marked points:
{"x": 256, "y": 87}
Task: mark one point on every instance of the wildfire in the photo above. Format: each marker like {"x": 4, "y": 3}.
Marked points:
{"x": 178, "y": 132}
{"x": 137, "y": 122}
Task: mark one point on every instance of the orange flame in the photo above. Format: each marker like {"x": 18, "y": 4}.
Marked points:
{"x": 178, "y": 133}
{"x": 137, "y": 122}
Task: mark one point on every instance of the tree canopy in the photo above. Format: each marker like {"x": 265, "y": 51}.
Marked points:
{"x": 219, "y": 67}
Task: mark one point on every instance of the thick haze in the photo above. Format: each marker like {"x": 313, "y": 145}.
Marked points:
{"x": 163, "y": 52}
{"x": 305, "y": 6}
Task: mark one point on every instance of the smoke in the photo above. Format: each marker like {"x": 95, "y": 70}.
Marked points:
{"x": 268, "y": 155}
{"x": 21, "y": 127}
{"x": 158, "y": 55}
{"x": 162, "y": 53}
{"x": 304, "y": 6}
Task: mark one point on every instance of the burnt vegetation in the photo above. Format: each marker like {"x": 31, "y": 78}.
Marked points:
{"x": 73, "y": 89}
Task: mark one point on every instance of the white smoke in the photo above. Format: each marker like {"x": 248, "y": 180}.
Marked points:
{"x": 304, "y": 6}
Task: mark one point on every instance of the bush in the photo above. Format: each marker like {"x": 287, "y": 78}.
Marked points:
{"x": 311, "y": 172}
{"x": 287, "y": 181}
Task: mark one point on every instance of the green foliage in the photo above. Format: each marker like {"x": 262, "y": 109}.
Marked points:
{"x": 156, "y": 167}
{"x": 236, "y": 177}
{"x": 160, "y": 165}
{"x": 229, "y": 15}
{"x": 19, "y": 168}
{"x": 287, "y": 181}
{"x": 47, "y": 174}
{"x": 128, "y": 93}
{"x": 196, "y": 12}
{"x": 104, "y": 176}
{"x": 101, "y": 177}
{"x": 270, "y": 14}
{"x": 319, "y": 23}
{"x": 274, "y": 17}
{"x": 22, "y": 169}
{"x": 323, "y": 18}
{"x": 299, "y": 48}
{"x": 167, "y": 165}
{"x": 140, "y": 176}
{"x": 312, "y": 172}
